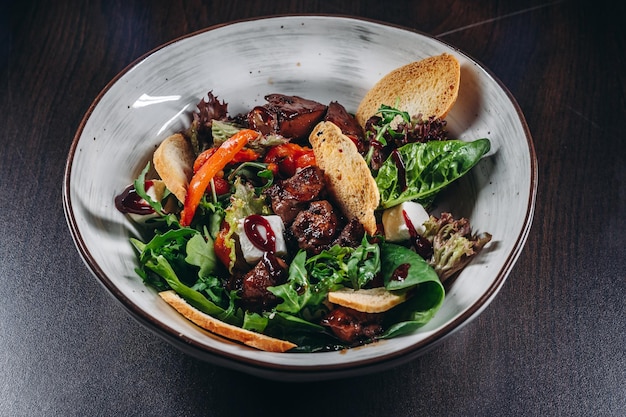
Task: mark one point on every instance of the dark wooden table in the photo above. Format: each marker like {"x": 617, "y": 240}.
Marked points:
{"x": 552, "y": 343}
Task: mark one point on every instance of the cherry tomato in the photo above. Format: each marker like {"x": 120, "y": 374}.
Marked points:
{"x": 245, "y": 155}
{"x": 305, "y": 159}
{"x": 219, "y": 246}
{"x": 221, "y": 186}
{"x": 290, "y": 157}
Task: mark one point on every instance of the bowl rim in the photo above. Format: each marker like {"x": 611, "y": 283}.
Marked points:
{"x": 307, "y": 372}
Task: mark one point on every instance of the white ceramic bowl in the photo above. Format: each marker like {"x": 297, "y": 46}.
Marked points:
{"x": 321, "y": 58}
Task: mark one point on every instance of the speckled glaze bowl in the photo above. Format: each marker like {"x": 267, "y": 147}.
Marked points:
{"x": 323, "y": 58}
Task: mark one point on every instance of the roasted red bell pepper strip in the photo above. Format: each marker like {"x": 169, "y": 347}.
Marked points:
{"x": 216, "y": 162}
{"x": 244, "y": 155}
{"x": 202, "y": 158}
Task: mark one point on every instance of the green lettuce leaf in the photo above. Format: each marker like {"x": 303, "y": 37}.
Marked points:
{"x": 221, "y": 131}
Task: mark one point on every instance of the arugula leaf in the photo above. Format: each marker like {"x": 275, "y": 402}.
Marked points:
{"x": 286, "y": 319}
{"x": 429, "y": 167}
{"x": 311, "y": 279}
{"x": 328, "y": 271}
{"x": 171, "y": 244}
{"x": 364, "y": 264}
{"x": 213, "y": 213}
{"x": 255, "y": 173}
{"x": 388, "y": 115}
{"x": 296, "y": 292}
{"x": 201, "y": 254}
{"x": 254, "y": 321}
{"x": 212, "y": 286}
{"x": 140, "y": 188}
{"x": 164, "y": 259}
{"x": 161, "y": 266}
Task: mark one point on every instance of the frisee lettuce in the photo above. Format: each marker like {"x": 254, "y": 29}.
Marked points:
{"x": 454, "y": 243}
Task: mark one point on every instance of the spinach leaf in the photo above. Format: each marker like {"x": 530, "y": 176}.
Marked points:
{"x": 429, "y": 167}
{"x": 417, "y": 270}
{"x": 418, "y": 310}
{"x": 309, "y": 337}
{"x": 426, "y": 291}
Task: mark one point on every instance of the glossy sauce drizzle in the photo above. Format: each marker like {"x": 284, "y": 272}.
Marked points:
{"x": 264, "y": 241}
{"x": 397, "y": 159}
{"x": 401, "y": 272}
{"x": 130, "y": 202}
{"x": 422, "y": 246}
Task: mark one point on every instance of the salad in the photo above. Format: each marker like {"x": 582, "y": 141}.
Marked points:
{"x": 255, "y": 238}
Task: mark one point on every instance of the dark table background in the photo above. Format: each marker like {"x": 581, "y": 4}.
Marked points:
{"x": 552, "y": 342}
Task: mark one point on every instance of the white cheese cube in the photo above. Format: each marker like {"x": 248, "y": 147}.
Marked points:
{"x": 251, "y": 253}
{"x": 394, "y": 223}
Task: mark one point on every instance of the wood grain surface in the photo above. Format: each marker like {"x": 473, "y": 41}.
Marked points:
{"x": 553, "y": 343}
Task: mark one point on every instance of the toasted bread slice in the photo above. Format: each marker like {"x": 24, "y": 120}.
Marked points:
{"x": 349, "y": 178}
{"x": 247, "y": 337}
{"x": 173, "y": 161}
{"x": 370, "y": 300}
{"x": 428, "y": 87}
